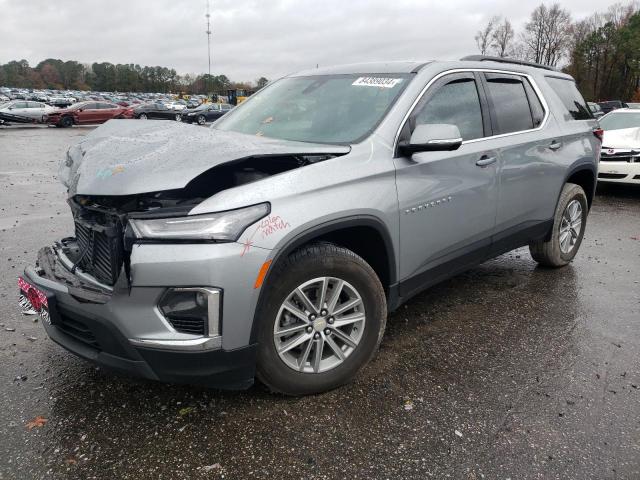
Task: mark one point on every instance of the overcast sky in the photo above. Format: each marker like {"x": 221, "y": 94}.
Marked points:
{"x": 252, "y": 38}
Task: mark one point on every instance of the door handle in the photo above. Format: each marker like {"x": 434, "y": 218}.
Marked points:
{"x": 555, "y": 145}
{"x": 486, "y": 160}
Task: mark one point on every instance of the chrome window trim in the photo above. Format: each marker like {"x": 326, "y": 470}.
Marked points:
{"x": 531, "y": 80}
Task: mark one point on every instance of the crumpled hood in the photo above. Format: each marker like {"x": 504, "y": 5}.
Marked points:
{"x": 623, "y": 138}
{"x": 126, "y": 157}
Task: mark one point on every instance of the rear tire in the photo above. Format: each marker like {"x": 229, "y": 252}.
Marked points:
{"x": 345, "y": 345}
{"x": 143, "y": 116}
{"x": 178, "y": 117}
{"x": 569, "y": 224}
{"x": 201, "y": 120}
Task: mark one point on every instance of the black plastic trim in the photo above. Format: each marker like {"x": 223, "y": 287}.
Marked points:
{"x": 472, "y": 255}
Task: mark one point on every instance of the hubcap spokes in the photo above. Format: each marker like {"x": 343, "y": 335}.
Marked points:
{"x": 319, "y": 325}
{"x": 570, "y": 226}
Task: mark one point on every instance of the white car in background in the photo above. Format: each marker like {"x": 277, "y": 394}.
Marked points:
{"x": 620, "y": 159}
{"x": 27, "y": 108}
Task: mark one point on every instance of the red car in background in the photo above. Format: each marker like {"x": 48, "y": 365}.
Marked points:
{"x": 85, "y": 113}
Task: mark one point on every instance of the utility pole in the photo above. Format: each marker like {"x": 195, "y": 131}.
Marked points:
{"x": 208, "y": 47}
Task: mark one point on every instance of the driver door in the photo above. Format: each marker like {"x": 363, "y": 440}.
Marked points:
{"x": 447, "y": 199}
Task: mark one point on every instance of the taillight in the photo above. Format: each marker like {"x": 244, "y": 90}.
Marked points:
{"x": 599, "y": 133}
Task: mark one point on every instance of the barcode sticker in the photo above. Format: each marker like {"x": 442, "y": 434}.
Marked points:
{"x": 379, "y": 82}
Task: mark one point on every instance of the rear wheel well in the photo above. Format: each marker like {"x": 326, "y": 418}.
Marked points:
{"x": 586, "y": 180}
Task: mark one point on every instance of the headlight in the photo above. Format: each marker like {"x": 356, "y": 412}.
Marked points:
{"x": 225, "y": 226}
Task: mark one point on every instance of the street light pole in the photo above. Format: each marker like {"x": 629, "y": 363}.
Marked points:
{"x": 208, "y": 46}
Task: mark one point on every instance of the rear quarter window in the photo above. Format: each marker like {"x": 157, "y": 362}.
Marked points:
{"x": 571, "y": 97}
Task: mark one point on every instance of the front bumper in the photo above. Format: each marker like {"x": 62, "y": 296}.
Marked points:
{"x": 619, "y": 172}
{"x": 123, "y": 330}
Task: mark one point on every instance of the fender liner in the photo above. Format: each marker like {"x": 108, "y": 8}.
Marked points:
{"x": 301, "y": 238}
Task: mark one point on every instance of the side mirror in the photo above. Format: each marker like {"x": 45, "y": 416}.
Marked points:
{"x": 433, "y": 138}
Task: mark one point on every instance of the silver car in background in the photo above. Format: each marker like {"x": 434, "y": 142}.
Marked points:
{"x": 275, "y": 243}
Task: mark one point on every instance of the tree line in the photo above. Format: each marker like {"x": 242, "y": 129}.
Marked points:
{"x": 108, "y": 77}
{"x": 602, "y": 52}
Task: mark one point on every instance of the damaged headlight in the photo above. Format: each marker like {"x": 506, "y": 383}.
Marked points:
{"x": 225, "y": 226}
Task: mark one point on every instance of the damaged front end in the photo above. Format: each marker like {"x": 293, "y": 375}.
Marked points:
{"x": 97, "y": 259}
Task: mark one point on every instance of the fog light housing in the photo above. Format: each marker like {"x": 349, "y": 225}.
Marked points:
{"x": 193, "y": 310}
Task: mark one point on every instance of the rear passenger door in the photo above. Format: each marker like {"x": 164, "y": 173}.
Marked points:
{"x": 447, "y": 200}
{"x": 529, "y": 145}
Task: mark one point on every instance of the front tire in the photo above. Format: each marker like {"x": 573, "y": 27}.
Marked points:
{"x": 66, "y": 122}
{"x": 143, "y": 116}
{"x": 178, "y": 117}
{"x": 201, "y": 120}
{"x": 322, "y": 320}
{"x": 569, "y": 224}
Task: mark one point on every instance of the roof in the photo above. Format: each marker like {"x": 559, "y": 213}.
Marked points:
{"x": 366, "y": 68}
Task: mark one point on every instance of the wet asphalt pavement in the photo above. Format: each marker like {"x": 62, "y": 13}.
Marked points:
{"x": 507, "y": 371}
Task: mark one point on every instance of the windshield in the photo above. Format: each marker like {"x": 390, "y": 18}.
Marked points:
{"x": 320, "y": 109}
{"x": 618, "y": 121}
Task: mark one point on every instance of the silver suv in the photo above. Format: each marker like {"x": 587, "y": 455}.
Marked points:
{"x": 275, "y": 243}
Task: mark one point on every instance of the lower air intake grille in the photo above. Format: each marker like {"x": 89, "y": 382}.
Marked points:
{"x": 78, "y": 330}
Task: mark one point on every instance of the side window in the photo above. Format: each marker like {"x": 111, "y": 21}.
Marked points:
{"x": 454, "y": 103}
{"x": 510, "y": 103}
{"x": 571, "y": 98}
{"x": 537, "y": 110}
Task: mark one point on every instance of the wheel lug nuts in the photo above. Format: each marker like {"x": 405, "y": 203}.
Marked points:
{"x": 316, "y": 336}
{"x": 309, "y": 329}
{"x": 323, "y": 312}
{"x": 331, "y": 320}
{"x": 327, "y": 331}
{"x": 312, "y": 317}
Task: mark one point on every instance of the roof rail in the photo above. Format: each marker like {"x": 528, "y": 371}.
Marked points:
{"x": 486, "y": 58}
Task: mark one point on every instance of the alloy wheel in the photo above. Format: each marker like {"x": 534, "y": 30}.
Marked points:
{"x": 319, "y": 325}
{"x": 570, "y": 226}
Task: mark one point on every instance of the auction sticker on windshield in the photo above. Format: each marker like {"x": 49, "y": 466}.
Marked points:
{"x": 377, "y": 82}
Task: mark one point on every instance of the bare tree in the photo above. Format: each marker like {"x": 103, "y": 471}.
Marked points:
{"x": 547, "y": 34}
{"x": 502, "y": 38}
{"x": 484, "y": 36}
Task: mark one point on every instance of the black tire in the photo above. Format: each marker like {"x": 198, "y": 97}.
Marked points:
{"x": 66, "y": 122}
{"x": 548, "y": 253}
{"x": 201, "y": 120}
{"x": 143, "y": 116}
{"x": 178, "y": 117}
{"x": 310, "y": 262}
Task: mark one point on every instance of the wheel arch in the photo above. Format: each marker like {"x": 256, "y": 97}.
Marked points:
{"x": 365, "y": 235}
{"x": 585, "y": 175}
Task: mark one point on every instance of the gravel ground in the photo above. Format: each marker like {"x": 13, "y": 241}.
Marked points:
{"x": 506, "y": 371}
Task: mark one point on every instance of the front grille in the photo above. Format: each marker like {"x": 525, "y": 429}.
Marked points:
{"x": 183, "y": 324}
{"x": 78, "y": 330}
{"x": 612, "y": 176}
{"x": 619, "y": 158}
{"x": 100, "y": 245}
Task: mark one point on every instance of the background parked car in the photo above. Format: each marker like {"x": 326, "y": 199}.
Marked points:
{"x": 207, "y": 112}
{"x": 611, "y": 105}
{"x": 595, "y": 109}
{"x": 620, "y": 158}
{"x": 156, "y": 110}
{"x": 84, "y": 113}
{"x": 24, "y": 108}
